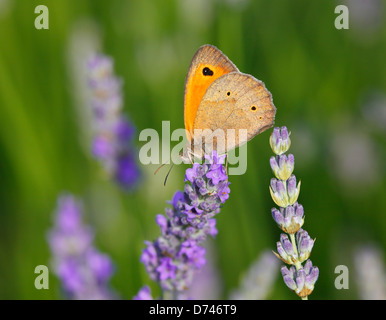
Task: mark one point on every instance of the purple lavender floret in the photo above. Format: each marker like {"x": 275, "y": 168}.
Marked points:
{"x": 143, "y": 294}
{"x": 83, "y": 270}
{"x": 174, "y": 257}
{"x": 113, "y": 132}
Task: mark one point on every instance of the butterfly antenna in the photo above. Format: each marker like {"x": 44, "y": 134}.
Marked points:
{"x": 166, "y": 178}
{"x": 159, "y": 168}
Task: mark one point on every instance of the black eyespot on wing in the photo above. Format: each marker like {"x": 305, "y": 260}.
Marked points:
{"x": 253, "y": 108}
{"x": 228, "y": 93}
{"x": 207, "y": 72}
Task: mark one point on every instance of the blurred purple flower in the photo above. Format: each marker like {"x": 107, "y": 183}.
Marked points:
{"x": 143, "y": 294}
{"x": 366, "y": 17}
{"x": 114, "y": 133}
{"x": 207, "y": 284}
{"x": 370, "y": 272}
{"x": 84, "y": 271}
{"x": 259, "y": 279}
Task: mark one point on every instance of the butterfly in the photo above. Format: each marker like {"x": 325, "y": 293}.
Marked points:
{"x": 220, "y": 98}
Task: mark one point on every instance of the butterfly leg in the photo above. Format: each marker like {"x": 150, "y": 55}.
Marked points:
{"x": 191, "y": 157}
{"x": 226, "y": 165}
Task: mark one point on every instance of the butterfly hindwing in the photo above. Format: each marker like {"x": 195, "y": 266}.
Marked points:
{"x": 235, "y": 101}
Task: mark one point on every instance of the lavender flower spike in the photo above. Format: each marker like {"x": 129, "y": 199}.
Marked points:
{"x": 295, "y": 248}
{"x": 84, "y": 271}
{"x": 114, "y": 133}
{"x": 175, "y": 256}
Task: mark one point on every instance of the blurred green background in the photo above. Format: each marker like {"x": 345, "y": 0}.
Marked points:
{"x": 329, "y": 87}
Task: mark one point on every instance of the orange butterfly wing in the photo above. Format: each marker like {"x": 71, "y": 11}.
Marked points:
{"x": 208, "y": 64}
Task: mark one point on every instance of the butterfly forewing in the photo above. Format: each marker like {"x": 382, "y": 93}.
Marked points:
{"x": 208, "y": 64}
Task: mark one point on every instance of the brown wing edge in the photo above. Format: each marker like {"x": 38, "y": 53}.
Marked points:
{"x": 199, "y": 52}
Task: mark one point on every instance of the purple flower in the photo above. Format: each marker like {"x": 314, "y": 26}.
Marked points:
{"x": 223, "y": 191}
{"x": 166, "y": 269}
{"x": 162, "y": 222}
{"x": 217, "y": 174}
{"x": 175, "y": 256}
{"x": 114, "y": 133}
{"x": 100, "y": 265}
{"x": 84, "y": 271}
{"x": 259, "y": 280}
{"x": 102, "y": 147}
{"x": 192, "y": 253}
{"x": 192, "y": 173}
{"x": 143, "y": 294}
{"x": 127, "y": 173}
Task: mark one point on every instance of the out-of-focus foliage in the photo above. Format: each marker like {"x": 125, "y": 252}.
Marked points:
{"x": 329, "y": 87}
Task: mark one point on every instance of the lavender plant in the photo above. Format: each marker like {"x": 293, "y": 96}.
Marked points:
{"x": 177, "y": 254}
{"x": 258, "y": 281}
{"x": 114, "y": 133}
{"x": 84, "y": 272}
{"x": 370, "y": 272}
{"x": 294, "y": 247}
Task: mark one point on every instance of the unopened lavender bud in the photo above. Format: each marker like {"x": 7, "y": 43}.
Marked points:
{"x": 279, "y": 193}
{"x": 286, "y": 250}
{"x": 312, "y": 274}
{"x": 289, "y": 219}
{"x": 288, "y": 276}
{"x": 282, "y": 166}
{"x": 293, "y": 190}
{"x": 278, "y": 217}
{"x": 279, "y": 140}
{"x": 288, "y": 214}
{"x": 305, "y": 244}
{"x": 299, "y": 210}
